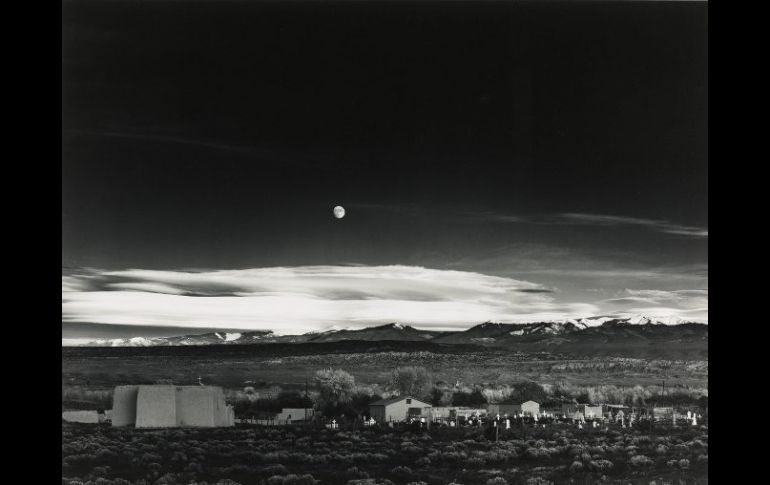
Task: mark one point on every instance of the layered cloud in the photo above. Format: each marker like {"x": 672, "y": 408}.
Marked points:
{"x": 301, "y": 299}
{"x": 556, "y": 219}
{"x": 676, "y": 304}
{"x": 655, "y": 225}
{"x": 595, "y": 220}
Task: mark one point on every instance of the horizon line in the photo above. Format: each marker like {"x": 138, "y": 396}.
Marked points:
{"x": 653, "y": 321}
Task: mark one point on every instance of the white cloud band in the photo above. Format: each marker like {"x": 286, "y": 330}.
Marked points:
{"x": 301, "y": 299}
{"x": 291, "y": 300}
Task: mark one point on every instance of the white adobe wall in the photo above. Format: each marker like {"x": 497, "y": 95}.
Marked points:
{"x": 196, "y": 406}
{"x": 224, "y": 414}
{"x": 503, "y": 409}
{"x": 220, "y": 408}
{"x": 230, "y": 416}
{"x": 530, "y": 408}
{"x": 446, "y": 411}
{"x": 165, "y": 406}
{"x": 592, "y": 411}
{"x": 398, "y": 411}
{"x": 156, "y": 407}
{"x": 124, "y": 405}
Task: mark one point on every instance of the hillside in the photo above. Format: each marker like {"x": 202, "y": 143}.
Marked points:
{"x": 631, "y": 337}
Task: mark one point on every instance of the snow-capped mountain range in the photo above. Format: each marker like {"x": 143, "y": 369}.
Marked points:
{"x": 488, "y": 333}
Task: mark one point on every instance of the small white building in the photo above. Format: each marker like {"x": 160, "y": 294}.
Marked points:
{"x": 588, "y": 411}
{"x": 400, "y": 408}
{"x": 455, "y": 412}
{"x": 528, "y": 408}
{"x": 591, "y": 412}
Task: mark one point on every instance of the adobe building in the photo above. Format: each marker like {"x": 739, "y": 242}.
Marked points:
{"x": 591, "y": 412}
{"x": 455, "y": 412}
{"x": 660, "y": 413}
{"x": 169, "y": 406}
{"x": 400, "y": 408}
{"x": 124, "y": 405}
{"x": 587, "y": 410}
{"x": 528, "y": 408}
{"x": 612, "y": 411}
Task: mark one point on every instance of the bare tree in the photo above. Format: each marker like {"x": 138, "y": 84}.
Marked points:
{"x": 412, "y": 381}
{"x": 334, "y": 386}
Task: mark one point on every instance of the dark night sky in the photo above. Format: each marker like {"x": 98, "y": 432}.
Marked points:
{"x": 488, "y": 137}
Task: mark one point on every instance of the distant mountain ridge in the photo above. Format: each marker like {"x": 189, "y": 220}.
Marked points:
{"x": 601, "y": 329}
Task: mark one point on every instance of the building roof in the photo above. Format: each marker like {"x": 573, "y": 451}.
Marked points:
{"x": 387, "y": 402}
{"x": 514, "y": 403}
{"x": 162, "y": 386}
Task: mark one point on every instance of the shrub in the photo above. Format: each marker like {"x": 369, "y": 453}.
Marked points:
{"x": 475, "y": 462}
{"x": 526, "y": 391}
{"x": 371, "y": 481}
{"x": 696, "y": 444}
{"x": 100, "y": 471}
{"x": 640, "y": 461}
{"x": 538, "y": 481}
{"x": 538, "y": 453}
{"x": 272, "y": 470}
{"x": 497, "y": 481}
{"x": 354, "y": 472}
{"x": 601, "y": 465}
{"x": 402, "y": 472}
{"x": 151, "y": 458}
{"x": 167, "y": 479}
{"x": 475, "y": 398}
{"x": 334, "y": 386}
{"x": 306, "y": 479}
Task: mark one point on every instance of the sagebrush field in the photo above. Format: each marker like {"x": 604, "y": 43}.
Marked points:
{"x": 560, "y": 453}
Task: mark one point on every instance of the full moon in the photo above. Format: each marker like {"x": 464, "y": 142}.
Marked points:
{"x": 339, "y": 212}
